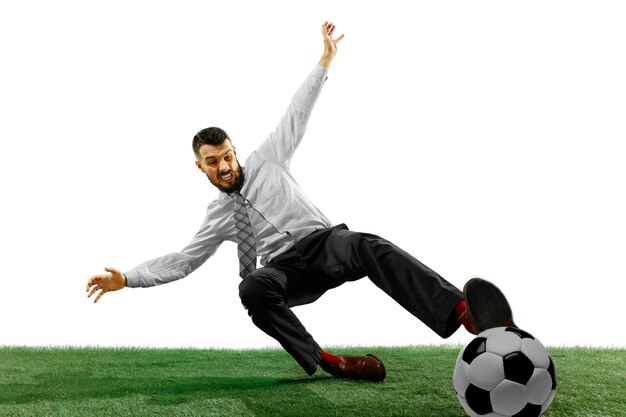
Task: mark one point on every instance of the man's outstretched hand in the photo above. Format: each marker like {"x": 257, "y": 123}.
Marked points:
{"x": 330, "y": 44}
{"x": 112, "y": 281}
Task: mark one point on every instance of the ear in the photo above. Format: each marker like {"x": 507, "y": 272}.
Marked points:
{"x": 234, "y": 150}
{"x": 199, "y": 165}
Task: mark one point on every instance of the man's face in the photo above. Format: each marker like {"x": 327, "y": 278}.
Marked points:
{"x": 220, "y": 165}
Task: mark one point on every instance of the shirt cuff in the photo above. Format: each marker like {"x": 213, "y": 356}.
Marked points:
{"x": 320, "y": 72}
{"x": 132, "y": 279}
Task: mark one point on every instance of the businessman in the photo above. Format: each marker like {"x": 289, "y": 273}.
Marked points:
{"x": 261, "y": 207}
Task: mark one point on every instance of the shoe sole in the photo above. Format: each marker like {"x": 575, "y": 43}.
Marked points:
{"x": 486, "y": 305}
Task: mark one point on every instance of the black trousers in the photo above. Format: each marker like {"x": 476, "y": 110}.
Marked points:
{"x": 326, "y": 259}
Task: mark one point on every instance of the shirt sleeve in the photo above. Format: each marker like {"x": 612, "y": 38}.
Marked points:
{"x": 282, "y": 143}
{"x": 177, "y": 265}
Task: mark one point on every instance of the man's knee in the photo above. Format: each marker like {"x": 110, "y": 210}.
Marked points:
{"x": 261, "y": 287}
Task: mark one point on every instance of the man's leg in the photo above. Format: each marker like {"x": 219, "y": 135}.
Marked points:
{"x": 440, "y": 305}
{"x": 330, "y": 257}
{"x": 265, "y": 293}
{"x": 351, "y": 255}
{"x": 268, "y": 293}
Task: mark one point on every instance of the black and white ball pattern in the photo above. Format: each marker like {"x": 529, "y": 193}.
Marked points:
{"x": 505, "y": 372}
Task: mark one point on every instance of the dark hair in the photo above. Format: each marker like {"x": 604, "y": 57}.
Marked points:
{"x": 209, "y": 136}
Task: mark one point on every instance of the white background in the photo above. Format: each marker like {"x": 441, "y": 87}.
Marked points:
{"x": 499, "y": 124}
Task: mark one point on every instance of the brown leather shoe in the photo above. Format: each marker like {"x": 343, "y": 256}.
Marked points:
{"x": 368, "y": 368}
{"x": 487, "y": 306}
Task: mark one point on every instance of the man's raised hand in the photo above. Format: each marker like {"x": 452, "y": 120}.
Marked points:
{"x": 330, "y": 44}
{"x": 112, "y": 281}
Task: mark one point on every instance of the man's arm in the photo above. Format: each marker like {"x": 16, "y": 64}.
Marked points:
{"x": 173, "y": 266}
{"x": 157, "y": 271}
{"x": 282, "y": 143}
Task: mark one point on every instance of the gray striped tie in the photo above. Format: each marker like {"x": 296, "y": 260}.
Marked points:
{"x": 246, "y": 248}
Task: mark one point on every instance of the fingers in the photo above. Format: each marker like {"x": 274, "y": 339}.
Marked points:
{"x": 325, "y": 29}
{"x": 99, "y": 283}
{"x": 93, "y": 290}
{"x": 95, "y": 280}
{"x": 99, "y": 295}
{"x": 328, "y": 30}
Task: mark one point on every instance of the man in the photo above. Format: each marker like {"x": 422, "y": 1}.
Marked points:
{"x": 262, "y": 208}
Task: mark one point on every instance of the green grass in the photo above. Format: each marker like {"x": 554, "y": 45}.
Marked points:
{"x": 186, "y": 382}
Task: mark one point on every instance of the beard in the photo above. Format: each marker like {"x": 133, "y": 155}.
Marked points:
{"x": 236, "y": 186}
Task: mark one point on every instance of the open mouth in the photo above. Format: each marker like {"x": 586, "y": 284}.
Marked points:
{"x": 226, "y": 176}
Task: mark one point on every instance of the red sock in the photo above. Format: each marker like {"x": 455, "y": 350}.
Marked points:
{"x": 460, "y": 309}
{"x": 461, "y": 313}
{"x": 328, "y": 358}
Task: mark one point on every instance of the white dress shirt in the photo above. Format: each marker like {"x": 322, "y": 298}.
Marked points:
{"x": 280, "y": 212}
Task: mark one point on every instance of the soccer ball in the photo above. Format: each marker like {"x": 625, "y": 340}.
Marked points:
{"x": 505, "y": 372}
